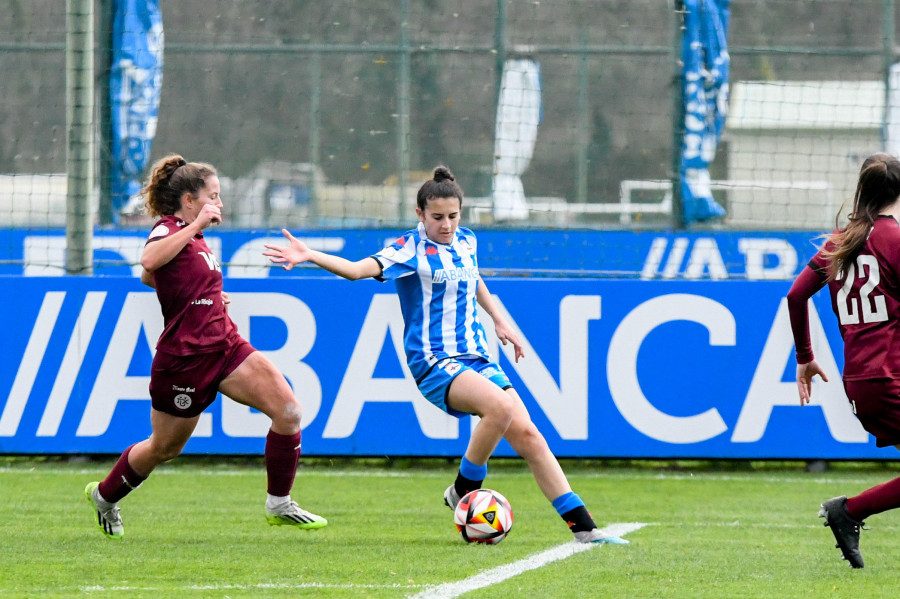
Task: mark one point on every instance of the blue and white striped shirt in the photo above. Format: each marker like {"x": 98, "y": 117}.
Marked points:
{"x": 439, "y": 306}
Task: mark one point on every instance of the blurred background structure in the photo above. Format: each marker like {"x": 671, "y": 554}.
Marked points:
{"x": 697, "y": 148}
{"x": 330, "y": 114}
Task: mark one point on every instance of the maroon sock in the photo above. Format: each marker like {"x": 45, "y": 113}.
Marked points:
{"x": 879, "y": 498}
{"x": 282, "y": 455}
{"x": 121, "y": 480}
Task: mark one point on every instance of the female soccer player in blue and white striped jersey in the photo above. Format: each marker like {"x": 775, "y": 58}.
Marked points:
{"x": 435, "y": 268}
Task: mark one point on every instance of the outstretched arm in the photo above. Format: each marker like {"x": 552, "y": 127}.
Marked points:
{"x": 504, "y": 331}
{"x": 297, "y": 252}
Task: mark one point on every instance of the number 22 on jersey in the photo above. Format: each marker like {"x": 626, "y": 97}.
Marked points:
{"x": 873, "y": 307}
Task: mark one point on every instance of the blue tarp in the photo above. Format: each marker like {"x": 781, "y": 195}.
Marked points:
{"x": 135, "y": 84}
{"x": 706, "y": 65}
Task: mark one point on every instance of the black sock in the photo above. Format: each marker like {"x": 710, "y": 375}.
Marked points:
{"x": 579, "y": 519}
{"x": 463, "y": 485}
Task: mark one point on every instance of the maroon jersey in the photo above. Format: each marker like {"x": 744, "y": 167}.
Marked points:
{"x": 189, "y": 288}
{"x": 866, "y": 301}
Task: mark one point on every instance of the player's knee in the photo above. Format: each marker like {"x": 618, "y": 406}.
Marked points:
{"x": 526, "y": 439}
{"x": 163, "y": 452}
{"x": 291, "y": 414}
{"x": 502, "y": 410}
{"x": 532, "y": 437}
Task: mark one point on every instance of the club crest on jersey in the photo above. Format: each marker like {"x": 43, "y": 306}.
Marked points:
{"x": 451, "y": 366}
{"x": 182, "y": 401}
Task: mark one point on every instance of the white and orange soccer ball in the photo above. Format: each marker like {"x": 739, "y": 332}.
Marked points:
{"x": 483, "y": 516}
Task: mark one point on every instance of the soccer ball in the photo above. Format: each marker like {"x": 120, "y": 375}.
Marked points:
{"x": 483, "y": 516}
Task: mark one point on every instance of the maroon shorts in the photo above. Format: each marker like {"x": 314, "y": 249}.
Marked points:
{"x": 186, "y": 385}
{"x": 876, "y": 404}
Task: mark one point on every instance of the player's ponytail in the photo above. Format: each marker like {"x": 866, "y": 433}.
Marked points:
{"x": 170, "y": 178}
{"x": 878, "y": 187}
{"x": 442, "y": 185}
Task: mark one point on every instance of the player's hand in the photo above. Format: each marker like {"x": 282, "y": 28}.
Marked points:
{"x": 506, "y": 335}
{"x": 226, "y": 300}
{"x": 209, "y": 215}
{"x": 289, "y": 256}
{"x": 805, "y": 374}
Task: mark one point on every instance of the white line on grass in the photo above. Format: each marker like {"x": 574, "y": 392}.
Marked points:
{"x": 532, "y": 562}
{"x": 241, "y": 587}
{"x": 608, "y": 475}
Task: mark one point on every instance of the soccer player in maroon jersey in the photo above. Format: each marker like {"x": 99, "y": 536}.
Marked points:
{"x": 860, "y": 263}
{"x": 199, "y": 352}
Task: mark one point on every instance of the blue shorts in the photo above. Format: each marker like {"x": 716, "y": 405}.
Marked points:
{"x": 436, "y": 384}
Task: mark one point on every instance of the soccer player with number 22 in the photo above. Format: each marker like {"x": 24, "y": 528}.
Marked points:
{"x": 435, "y": 269}
{"x": 860, "y": 264}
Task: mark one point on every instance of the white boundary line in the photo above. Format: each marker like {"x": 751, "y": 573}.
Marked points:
{"x": 651, "y": 474}
{"x": 499, "y": 574}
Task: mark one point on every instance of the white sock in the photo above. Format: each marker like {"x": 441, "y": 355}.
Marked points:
{"x": 101, "y": 502}
{"x": 273, "y": 502}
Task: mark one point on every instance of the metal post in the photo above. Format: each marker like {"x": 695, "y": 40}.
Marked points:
{"x": 315, "y": 146}
{"x": 104, "y": 110}
{"x": 887, "y": 43}
{"x": 584, "y": 127}
{"x": 499, "y": 65}
{"x": 403, "y": 92}
{"x": 677, "y": 112}
{"x": 500, "y": 46}
{"x": 79, "y": 134}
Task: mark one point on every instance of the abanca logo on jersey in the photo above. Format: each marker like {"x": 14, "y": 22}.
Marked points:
{"x": 469, "y": 273}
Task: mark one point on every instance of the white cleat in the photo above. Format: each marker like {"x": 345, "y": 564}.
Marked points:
{"x": 598, "y": 535}
{"x": 451, "y": 497}
{"x": 291, "y": 514}
{"x": 108, "y": 518}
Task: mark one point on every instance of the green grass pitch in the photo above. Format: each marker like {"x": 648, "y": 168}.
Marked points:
{"x": 196, "y": 529}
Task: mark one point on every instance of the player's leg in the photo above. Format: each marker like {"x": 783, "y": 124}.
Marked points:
{"x": 875, "y": 500}
{"x": 471, "y": 393}
{"x": 169, "y": 435}
{"x": 258, "y": 384}
{"x": 845, "y": 515}
{"x": 877, "y": 407}
{"x": 528, "y": 442}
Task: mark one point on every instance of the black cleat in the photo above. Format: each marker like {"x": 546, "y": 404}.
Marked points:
{"x": 845, "y": 529}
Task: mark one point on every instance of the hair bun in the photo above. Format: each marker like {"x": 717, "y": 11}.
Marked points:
{"x": 180, "y": 162}
{"x": 442, "y": 173}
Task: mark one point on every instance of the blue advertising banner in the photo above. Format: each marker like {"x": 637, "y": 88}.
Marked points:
{"x": 612, "y": 368}
{"x": 135, "y": 83}
{"x": 752, "y": 255}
